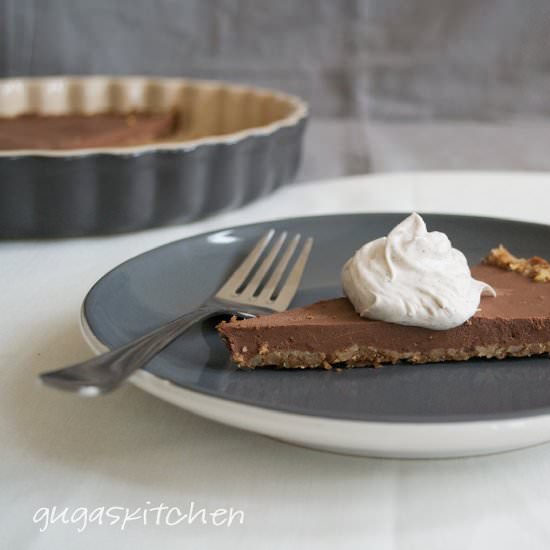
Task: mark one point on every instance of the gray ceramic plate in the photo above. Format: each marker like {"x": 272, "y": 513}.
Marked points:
{"x": 157, "y": 286}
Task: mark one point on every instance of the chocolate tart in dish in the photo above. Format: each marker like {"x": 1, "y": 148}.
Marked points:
{"x": 85, "y": 131}
{"x": 99, "y": 155}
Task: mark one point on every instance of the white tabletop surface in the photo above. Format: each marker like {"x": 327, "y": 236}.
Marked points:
{"x": 131, "y": 450}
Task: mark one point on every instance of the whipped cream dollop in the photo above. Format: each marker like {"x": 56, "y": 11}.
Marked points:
{"x": 413, "y": 277}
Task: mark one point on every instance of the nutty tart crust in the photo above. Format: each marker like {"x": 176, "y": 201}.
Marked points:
{"x": 330, "y": 333}
{"x": 536, "y": 268}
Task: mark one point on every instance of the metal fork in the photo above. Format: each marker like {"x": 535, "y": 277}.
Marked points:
{"x": 244, "y": 294}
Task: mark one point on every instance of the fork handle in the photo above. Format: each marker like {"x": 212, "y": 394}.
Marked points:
{"x": 107, "y": 371}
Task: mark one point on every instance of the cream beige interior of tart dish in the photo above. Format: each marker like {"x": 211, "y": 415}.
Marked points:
{"x": 205, "y": 108}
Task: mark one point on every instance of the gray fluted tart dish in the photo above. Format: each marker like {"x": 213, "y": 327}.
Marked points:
{"x": 234, "y": 144}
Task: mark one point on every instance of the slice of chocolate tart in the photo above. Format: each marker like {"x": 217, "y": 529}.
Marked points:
{"x": 329, "y": 333}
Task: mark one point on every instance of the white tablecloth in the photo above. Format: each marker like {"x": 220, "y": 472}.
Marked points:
{"x": 131, "y": 450}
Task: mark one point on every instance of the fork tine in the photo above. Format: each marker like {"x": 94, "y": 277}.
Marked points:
{"x": 238, "y": 277}
{"x": 273, "y": 281}
{"x": 293, "y": 280}
{"x": 255, "y": 282}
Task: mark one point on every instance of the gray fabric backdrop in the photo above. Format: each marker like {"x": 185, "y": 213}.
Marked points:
{"x": 383, "y": 61}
